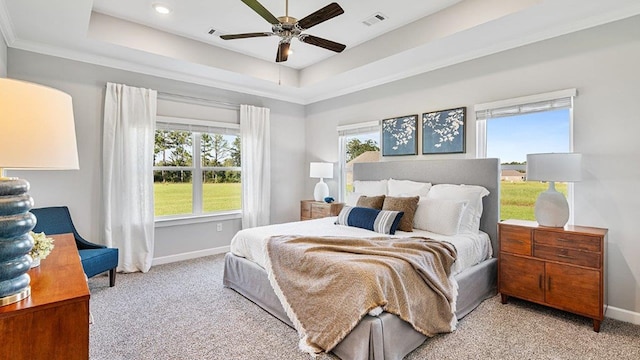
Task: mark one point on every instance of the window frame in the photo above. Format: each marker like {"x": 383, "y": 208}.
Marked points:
{"x": 345, "y": 131}
{"x": 196, "y": 127}
{"x": 561, "y": 99}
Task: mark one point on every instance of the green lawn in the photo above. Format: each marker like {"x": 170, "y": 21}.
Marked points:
{"x": 176, "y": 198}
{"x": 517, "y": 199}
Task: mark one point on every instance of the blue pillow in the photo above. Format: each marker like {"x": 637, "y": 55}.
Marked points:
{"x": 381, "y": 221}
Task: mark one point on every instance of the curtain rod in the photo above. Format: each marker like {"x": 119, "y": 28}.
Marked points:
{"x": 198, "y": 101}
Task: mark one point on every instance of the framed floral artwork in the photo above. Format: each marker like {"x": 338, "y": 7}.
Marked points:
{"x": 443, "y": 132}
{"x": 399, "y": 136}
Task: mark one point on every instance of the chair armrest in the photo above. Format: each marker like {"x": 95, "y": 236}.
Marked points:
{"x": 83, "y": 244}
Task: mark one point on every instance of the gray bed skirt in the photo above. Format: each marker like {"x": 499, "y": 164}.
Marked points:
{"x": 384, "y": 337}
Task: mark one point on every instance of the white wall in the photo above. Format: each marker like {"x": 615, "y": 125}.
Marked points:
{"x": 81, "y": 189}
{"x": 602, "y": 63}
{"x": 3, "y": 56}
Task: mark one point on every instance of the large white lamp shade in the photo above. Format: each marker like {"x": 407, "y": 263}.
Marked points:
{"x": 321, "y": 170}
{"x": 37, "y": 133}
{"x": 551, "y": 207}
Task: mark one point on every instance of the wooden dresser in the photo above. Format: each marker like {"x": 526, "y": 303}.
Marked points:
{"x": 563, "y": 268}
{"x": 310, "y": 209}
{"x": 53, "y": 323}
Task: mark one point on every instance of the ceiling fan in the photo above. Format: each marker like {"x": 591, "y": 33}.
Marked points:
{"x": 287, "y": 28}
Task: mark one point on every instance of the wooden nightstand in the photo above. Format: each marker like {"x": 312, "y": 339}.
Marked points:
{"x": 559, "y": 267}
{"x": 310, "y": 209}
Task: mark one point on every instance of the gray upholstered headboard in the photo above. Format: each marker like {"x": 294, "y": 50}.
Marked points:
{"x": 484, "y": 172}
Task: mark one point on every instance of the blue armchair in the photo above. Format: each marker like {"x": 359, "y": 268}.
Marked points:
{"x": 95, "y": 258}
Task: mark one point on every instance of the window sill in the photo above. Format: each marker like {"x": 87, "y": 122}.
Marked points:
{"x": 177, "y": 220}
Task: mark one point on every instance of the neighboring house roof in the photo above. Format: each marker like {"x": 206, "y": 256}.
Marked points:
{"x": 367, "y": 156}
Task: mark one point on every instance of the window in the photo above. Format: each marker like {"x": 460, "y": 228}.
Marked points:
{"x": 196, "y": 167}
{"x": 357, "y": 143}
{"x": 511, "y": 129}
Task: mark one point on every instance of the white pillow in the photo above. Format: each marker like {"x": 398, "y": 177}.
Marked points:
{"x": 407, "y": 188}
{"x": 370, "y": 188}
{"x": 441, "y": 216}
{"x": 472, "y": 194}
{"x": 352, "y": 198}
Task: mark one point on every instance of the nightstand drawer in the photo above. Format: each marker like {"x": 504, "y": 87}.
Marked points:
{"x": 566, "y": 255}
{"x": 310, "y": 209}
{"x": 566, "y": 240}
{"x": 320, "y": 210}
{"x": 515, "y": 240}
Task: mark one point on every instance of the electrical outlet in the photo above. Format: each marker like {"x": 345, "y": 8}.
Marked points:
{"x": 219, "y": 227}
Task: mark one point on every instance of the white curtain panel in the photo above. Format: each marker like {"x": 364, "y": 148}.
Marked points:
{"x": 256, "y": 165}
{"x": 129, "y": 128}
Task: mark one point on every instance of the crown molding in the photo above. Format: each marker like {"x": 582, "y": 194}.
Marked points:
{"x": 148, "y": 69}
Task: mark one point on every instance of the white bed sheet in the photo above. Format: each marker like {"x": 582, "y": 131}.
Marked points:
{"x": 249, "y": 243}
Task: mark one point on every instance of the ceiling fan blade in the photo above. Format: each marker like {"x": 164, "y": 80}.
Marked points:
{"x": 323, "y": 43}
{"x": 283, "y": 52}
{"x": 244, "y": 36}
{"x": 257, "y": 7}
{"x": 328, "y": 12}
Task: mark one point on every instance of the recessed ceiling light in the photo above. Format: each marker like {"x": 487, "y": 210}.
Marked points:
{"x": 161, "y": 9}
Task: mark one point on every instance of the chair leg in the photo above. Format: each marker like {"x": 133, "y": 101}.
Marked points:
{"x": 112, "y": 277}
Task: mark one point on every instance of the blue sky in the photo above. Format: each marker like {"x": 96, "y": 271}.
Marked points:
{"x": 512, "y": 138}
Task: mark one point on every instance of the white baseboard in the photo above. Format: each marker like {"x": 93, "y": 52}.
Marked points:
{"x": 189, "y": 255}
{"x": 623, "y": 315}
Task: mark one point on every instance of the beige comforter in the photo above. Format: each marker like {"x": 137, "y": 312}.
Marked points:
{"x": 327, "y": 284}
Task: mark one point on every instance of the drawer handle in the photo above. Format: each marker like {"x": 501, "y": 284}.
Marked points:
{"x": 563, "y": 239}
{"x": 564, "y": 256}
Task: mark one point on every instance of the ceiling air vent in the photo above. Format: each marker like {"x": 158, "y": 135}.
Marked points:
{"x": 374, "y": 19}
{"x": 211, "y": 31}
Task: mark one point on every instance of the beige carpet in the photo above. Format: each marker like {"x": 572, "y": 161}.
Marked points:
{"x": 182, "y": 311}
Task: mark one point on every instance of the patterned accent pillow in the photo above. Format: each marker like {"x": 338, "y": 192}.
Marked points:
{"x": 374, "y": 202}
{"x": 381, "y": 221}
{"x": 407, "y": 205}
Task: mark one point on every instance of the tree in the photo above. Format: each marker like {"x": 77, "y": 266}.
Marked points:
{"x": 174, "y": 149}
{"x": 215, "y": 149}
{"x": 235, "y": 152}
{"x": 160, "y": 147}
{"x": 355, "y": 147}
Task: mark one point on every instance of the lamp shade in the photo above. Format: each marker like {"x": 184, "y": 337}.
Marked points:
{"x": 321, "y": 170}
{"x": 38, "y": 129}
{"x": 554, "y": 167}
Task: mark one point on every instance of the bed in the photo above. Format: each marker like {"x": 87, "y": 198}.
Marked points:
{"x": 386, "y": 336}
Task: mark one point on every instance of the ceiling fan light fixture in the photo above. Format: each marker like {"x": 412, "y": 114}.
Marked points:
{"x": 161, "y": 8}
{"x": 287, "y": 28}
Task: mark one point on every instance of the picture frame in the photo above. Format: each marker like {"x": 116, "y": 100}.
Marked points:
{"x": 399, "y": 136}
{"x": 444, "y": 131}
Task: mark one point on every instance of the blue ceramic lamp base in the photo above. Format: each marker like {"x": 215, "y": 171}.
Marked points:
{"x": 15, "y": 242}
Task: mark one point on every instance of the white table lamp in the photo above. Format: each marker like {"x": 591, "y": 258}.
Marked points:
{"x": 37, "y": 133}
{"x": 551, "y": 207}
{"x": 321, "y": 170}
